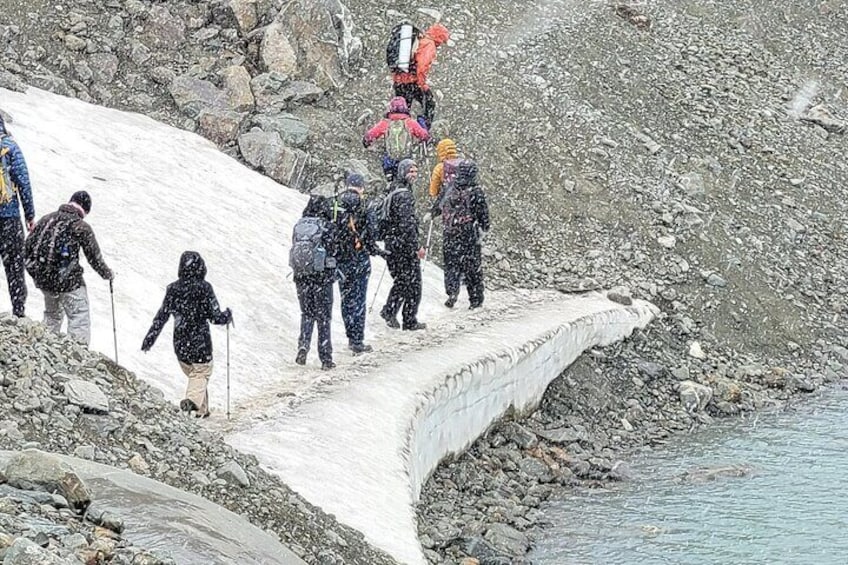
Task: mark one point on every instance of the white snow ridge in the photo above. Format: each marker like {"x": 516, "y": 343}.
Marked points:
{"x": 358, "y": 441}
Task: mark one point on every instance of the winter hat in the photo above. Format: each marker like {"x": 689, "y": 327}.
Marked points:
{"x": 466, "y": 173}
{"x": 355, "y": 180}
{"x": 446, "y": 149}
{"x": 438, "y": 33}
{"x": 82, "y": 199}
{"x": 403, "y": 168}
{"x": 397, "y": 105}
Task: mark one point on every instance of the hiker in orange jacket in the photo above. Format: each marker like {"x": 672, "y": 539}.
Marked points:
{"x": 413, "y": 85}
{"x": 399, "y": 148}
{"x": 445, "y": 152}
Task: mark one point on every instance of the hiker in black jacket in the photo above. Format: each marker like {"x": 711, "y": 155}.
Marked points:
{"x": 465, "y": 216}
{"x": 192, "y": 302}
{"x": 404, "y": 251}
{"x": 315, "y": 286}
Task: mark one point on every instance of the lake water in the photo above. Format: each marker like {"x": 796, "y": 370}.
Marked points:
{"x": 793, "y": 508}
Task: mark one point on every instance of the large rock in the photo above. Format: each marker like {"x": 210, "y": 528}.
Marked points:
{"x": 33, "y": 470}
{"x": 86, "y": 395}
{"x": 26, "y": 552}
{"x": 276, "y": 51}
{"x": 266, "y": 151}
{"x": 192, "y": 95}
{"x": 163, "y": 30}
{"x": 292, "y": 130}
{"x": 233, "y": 473}
{"x": 104, "y": 67}
{"x": 266, "y": 91}
{"x": 506, "y": 539}
{"x": 301, "y": 92}
{"x": 694, "y": 396}
{"x": 312, "y": 41}
{"x": 237, "y": 88}
{"x": 219, "y": 126}
{"x": 244, "y": 12}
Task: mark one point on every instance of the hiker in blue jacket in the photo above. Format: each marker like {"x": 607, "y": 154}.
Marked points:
{"x": 14, "y": 188}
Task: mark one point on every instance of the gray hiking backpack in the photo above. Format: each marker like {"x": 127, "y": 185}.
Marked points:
{"x": 308, "y": 256}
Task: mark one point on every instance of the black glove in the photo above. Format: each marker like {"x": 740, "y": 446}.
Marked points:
{"x": 147, "y": 344}
{"x": 228, "y": 317}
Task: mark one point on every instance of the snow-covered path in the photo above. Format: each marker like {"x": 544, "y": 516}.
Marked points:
{"x": 358, "y": 440}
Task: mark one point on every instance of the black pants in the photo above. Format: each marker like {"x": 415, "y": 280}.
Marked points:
{"x": 411, "y": 92}
{"x": 315, "y": 295}
{"x": 463, "y": 261}
{"x": 406, "y": 288}
{"x": 12, "y": 254}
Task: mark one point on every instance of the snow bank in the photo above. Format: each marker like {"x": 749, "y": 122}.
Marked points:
{"x": 363, "y": 451}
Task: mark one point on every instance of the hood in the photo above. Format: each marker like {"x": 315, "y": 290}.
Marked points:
{"x": 403, "y": 170}
{"x": 438, "y": 33}
{"x": 398, "y": 105}
{"x": 466, "y": 173}
{"x": 349, "y": 199}
{"x": 446, "y": 149}
{"x": 192, "y": 266}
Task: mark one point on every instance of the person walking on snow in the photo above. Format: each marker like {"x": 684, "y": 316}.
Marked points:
{"x": 355, "y": 245}
{"x": 192, "y": 302}
{"x": 313, "y": 261}
{"x": 399, "y": 131}
{"x": 413, "y": 85}
{"x": 465, "y": 214}
{"x": 52, "y": 260}
{"x": 403, "y": 248}
{"x": 14, "y": 188}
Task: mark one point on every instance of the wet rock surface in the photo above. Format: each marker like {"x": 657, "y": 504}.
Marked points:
{"x": 142, "y": 433}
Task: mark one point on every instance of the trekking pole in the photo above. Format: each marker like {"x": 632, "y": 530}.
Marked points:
{"x": 377, "y": 291}
{"x": 114, "y": 325}
{"x": 427, "y": 247}
{"x": 228, "y": 371}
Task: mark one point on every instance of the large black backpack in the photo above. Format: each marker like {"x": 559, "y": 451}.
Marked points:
{"x": 401, "y": 48}
{"x": 48, "y": 258}
{"x": 308, "y": 256}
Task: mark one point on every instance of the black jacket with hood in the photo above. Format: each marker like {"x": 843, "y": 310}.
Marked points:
{"x": 402, "y": 236}
{"x": 192, "y": 302}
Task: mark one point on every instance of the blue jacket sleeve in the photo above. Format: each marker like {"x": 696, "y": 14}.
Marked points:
{"x": 20, "y": 177}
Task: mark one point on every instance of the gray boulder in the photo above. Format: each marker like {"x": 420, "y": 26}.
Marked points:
{"x": 506, "y": 539}
{"x": 233, "y": 473}
{"x": 266, "y": 90}
{"x": 192, "y": 95}
{"x": 219, "y": 126}
{"x": 695, "y": 397}
{"x": 237, "y": 88}
{"x": 244, "y": 12}
{"x": 33, "y": 470}
{"x": 292, "y": 130}
{"x": 256, "y": 147}
{"x": 86, "y": 395}
{"x": 26, "y": 552}
{"x": 266, "y": 151}
{"x": 104, "y": 67}
{"x": 163, "y": 30}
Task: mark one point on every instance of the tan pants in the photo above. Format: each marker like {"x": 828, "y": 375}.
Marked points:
{"x": 198, "y": 378}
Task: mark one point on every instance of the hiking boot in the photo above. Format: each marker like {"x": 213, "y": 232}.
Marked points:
{"x": 415, "y": 327}
{"x": 301, "y": 357}
{"x": 187, "y": 405}
{"x": 475, "y": 306}
{"x": 358, "y": 348}
{"x": 327, "y": 365}
{"x": 391, "y": 321}
{"x": 450, "y": 302}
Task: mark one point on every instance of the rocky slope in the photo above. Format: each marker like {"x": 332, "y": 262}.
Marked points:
{"x": 59, "y": 397}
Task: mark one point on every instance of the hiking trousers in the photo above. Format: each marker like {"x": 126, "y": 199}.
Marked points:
{"x": 315, "y": 295}
{"x": 411, "y": 92}
{"x": 198, "y": 380}
{"x": 74, "y": 306}
{"x": 463, "y": 261}
{"x": 12, "y": 255}
{"x": 353, "y": 288}
{"x": 406, "y": 288}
